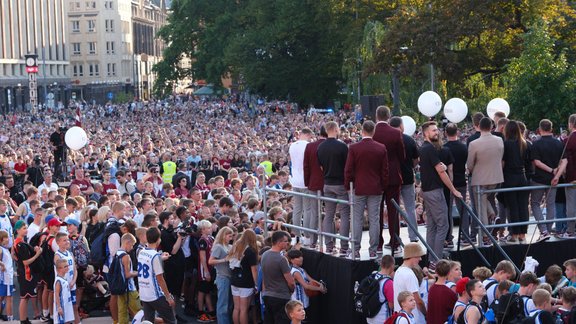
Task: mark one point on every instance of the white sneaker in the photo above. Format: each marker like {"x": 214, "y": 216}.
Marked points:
{"x": 305, "y": 241}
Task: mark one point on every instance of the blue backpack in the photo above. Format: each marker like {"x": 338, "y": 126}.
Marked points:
{"x": 116, "y": 280}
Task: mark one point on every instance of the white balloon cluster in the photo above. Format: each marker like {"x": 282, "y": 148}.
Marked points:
{"x": 76, "y": 138}
{"x": 455, "y": 109}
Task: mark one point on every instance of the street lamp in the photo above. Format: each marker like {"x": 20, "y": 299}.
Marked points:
{"x": 18, "y": 96}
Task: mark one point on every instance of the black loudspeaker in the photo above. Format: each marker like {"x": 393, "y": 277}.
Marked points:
{"x": 369, "y": 106}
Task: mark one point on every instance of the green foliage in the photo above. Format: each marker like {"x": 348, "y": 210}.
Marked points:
{"x": 123, "y": 97}
{"x": 542, "y": 84}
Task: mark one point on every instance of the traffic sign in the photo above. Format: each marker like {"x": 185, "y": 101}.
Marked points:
{"x": 110, "y": 95}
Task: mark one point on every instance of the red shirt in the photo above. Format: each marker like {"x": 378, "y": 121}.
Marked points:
{"x": 570, "y": 154}
{"x": 20, "y": 167}
{"x": 83, "y": 184}
{"x": 108, "y": 187}
{"x": 441, "y": 300}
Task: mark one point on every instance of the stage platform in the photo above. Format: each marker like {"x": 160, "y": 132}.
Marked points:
{"x": 340, "y": 274}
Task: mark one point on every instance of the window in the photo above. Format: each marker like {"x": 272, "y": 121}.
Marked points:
{"x": 111, "y": 69}
{"x": 90, "y": 4}
{"x": 78, "y": 70}
{"x": 110, "y": 48}
{"x": 91, "y": 47}
{"x": 75, "y": 26}
{"x": 109, "y": 4}
{"x": 75, "y": 48}
{"x": 93, "y": 69}
{"x": 109, "y": 25}
{"x": 91, "y": 25}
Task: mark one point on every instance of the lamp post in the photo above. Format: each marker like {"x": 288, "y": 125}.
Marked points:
{"x": 18, "y": 97}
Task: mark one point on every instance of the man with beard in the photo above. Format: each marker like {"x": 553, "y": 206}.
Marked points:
{"x": 434, "y": 176}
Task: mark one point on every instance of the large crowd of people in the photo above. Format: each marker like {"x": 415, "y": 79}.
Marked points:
{"x": 166, "y": 203}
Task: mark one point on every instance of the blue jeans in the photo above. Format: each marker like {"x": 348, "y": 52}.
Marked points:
{"x": 561, "y": 213}
{"x": 223, "y": 303}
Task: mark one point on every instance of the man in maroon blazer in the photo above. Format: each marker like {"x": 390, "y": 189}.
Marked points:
{"x": 367, "y": 167}
{"x": 314, "y": 181}
{"x": 392, "y": 139}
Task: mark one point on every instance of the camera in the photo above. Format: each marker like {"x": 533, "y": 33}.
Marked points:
{"x": 186, "y": 228}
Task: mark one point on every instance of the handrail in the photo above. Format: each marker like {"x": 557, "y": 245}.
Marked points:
{"x": 487, "y": 232}
{"x": 422, "y": 239}
{"x": 534, "y": 222}
{"x": 469, "y": 240}
{"x": 526, "y": 188}
{"x": 318, "y": 231}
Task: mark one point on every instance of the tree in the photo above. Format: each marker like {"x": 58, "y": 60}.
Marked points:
{"x": 541, "y": 84}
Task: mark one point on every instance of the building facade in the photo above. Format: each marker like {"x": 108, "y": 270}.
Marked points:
{"x": 110, "y": 47}
{"x": 33, "y": 27}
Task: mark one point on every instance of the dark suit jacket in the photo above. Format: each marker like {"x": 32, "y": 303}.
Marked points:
{"x": 367, "y": 167}
{"x": 392, "y": 139}
{"x": 313, "y": 175}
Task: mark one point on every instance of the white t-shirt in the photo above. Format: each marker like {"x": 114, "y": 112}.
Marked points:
{"x": 6, "y": 225}
{"x": 7, "y": 276}
{"x": 405, "y": 280}
{"x": 149, "y": 266}
{"x": 297, "y": 163}
{"x": 33, "y": 229}
{"x": 51, "y": 187}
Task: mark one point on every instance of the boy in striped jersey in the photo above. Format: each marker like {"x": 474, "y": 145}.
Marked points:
{"x": 71, "y": 274}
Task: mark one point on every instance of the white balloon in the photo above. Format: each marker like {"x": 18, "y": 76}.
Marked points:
{"x": 429, "y": 103}
{"x": 455, "y": 110}
{"x": 409, "y": 125}
{"x": 76, "y": 138}
{"x": 497, "y": 104}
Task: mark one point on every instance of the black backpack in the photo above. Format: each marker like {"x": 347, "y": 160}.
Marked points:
{"x": 116, "y": 280}
{"x": 484, "y": 303}
{"x": 367, "y": 296}
{"x": 99, "y": 248}
{"x": 510, "y": 309}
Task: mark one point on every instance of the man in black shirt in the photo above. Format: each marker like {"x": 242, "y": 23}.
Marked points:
{"x": 434, "y": 177}
{"x": 57, "y": 141}
{"x": 546, "y": 154}
{"x": 407, "y": 191}
{"x": 459, "y": 152}
{"x": 332, "y": 155}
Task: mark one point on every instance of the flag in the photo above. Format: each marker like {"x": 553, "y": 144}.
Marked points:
{"x": 77, "y": 118}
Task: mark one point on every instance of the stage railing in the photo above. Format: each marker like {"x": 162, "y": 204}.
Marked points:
{"x": 319, "y": 232}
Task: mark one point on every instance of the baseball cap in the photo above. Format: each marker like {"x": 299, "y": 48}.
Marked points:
{"x": 55, "y": 222}
{"x": 72, "y": 221}
{"x": 461, "y": 285}
{"x": 19, "y": 224}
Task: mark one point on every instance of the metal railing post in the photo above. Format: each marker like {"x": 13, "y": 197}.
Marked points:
{"x": 351, "y": 233}
{"x": 479, "y": 210}
{"x": 320, "y": 236}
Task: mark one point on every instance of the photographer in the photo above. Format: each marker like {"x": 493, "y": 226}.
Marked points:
{"x": 171, "y": 242}
{"x": 34, "y": 172}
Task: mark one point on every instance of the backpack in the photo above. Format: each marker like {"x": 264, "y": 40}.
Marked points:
{"x": 116, "y": 280}
{"x": 46, "y": 259}
{"x": 531, "y": 319}
{"x": 99, "y": 252}
{"x": 392, "y": 319}
{"x": 462, "y": 317}
{"x": 367, "y": 296}
{"x": 484, "y": 303}
{"x": 510, "y": 308}
{"x": 80, "y": 252}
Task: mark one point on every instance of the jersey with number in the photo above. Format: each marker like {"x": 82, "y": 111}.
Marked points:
{"x": 6, "y": 225}
{"x": 69, "y": 276}
{"x": 65, "y": 298}
{"x": 7, "y": 276}
{"x": 149, "y": 266}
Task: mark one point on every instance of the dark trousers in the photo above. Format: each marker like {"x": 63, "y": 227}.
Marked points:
{"x": 390, "y": 192}
{"x": 160, "y": 306}
{"x": 274, "y": 310}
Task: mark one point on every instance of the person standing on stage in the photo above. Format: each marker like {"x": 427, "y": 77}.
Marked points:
{"x": 484, "y": 163}
{"x": 57, "y": 141}
{"x": 367, "y": 168}
{"x": 568, "y": 164}
{"x": 459, "y": 152}
{"x": 314, "y": 181}
{"x": 392, "y": 139}
{"x": 408, "y": 191}
{"x": 332, "y": 155}
{"x": 434, "y": 177}
{"x": 296, "y": 152}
